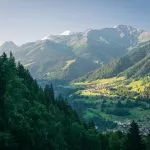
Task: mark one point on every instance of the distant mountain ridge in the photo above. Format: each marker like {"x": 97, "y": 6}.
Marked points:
{"x": 8, "y": 46}
{"x": 72, "y": 55}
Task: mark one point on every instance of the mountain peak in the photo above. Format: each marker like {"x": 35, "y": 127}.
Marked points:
{"x": 9, "y": 44}
{"x": 45, "y": 38}
{"x": 67, "y": 32}
{"x": 125, "y": 27}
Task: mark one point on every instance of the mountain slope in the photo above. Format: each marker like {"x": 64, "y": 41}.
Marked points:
{"x": 134, "y": 63}
{"x": 42, "y": 57}
{"x": 140, "y": 69}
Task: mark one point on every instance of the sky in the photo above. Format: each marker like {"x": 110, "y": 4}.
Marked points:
{"x": 29, "y": 20}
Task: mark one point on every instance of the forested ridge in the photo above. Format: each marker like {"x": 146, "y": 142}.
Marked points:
{"x": 32, "y": 118}
{"x": 134, "y": 63}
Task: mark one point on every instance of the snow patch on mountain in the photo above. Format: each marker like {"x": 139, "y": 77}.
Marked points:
{"x": 45, "y": 38}
{"x": 67, "y": 32}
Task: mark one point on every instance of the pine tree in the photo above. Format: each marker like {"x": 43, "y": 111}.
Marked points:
{"x": 52, "y": 93}
{"x": 115, "y": 140}
{"x": 133, "y": 139}
{"x": 49, "y": 95}
{"x": 148, "y": 142}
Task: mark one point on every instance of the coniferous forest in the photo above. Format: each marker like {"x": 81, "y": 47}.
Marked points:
{"x": 32, "y": 118}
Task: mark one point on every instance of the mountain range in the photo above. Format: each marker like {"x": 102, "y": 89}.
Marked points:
{"x": 72, "y": 55}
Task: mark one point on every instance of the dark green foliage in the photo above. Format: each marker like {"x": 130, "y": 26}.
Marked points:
{"x": 115, "y": 140}
{"x": 148, "y": 142}
{"x": 49, "y": 95}
{"x": 133, "y": 139}
{"x": 33, "y": 119}
{"x": 131, "y": 104}
{"x": 118, "y": 111}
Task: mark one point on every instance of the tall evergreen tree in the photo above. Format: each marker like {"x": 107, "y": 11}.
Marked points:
{"x": 148, "y": 142}
{"x": 52, "y": 92}
{"x": 133, "y": 139}
{"x": 49, "y": 95}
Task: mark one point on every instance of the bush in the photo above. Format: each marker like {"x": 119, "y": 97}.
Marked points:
{"x": 118, "y": 111}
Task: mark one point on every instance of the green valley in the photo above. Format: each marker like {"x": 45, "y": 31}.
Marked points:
{"x": 115, "y": 99}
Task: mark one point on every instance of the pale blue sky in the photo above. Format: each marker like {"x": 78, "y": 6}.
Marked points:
{"x": 29, "y": 20}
